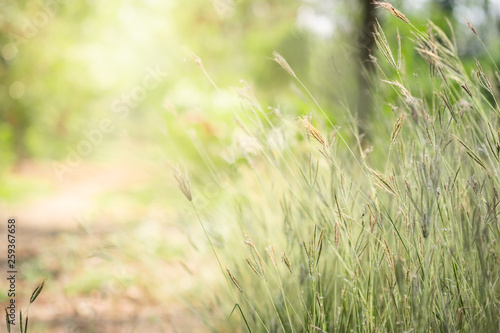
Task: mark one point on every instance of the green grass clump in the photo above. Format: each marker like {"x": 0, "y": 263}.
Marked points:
{"x": 23, "y": 325}
{"x": 325, "y": 234}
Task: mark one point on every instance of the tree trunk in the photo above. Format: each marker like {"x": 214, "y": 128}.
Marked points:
{"x": 366, "y": 43}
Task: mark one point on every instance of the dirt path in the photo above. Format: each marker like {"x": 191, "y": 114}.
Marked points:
{"x": 48, "y": 226}
{"x": 72, "y": 198}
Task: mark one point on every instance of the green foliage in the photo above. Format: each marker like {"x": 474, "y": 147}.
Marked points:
{"x": 401, "y": 236}
{"x": 397, "y": 231}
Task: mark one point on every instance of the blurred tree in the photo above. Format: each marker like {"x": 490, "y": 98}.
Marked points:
{"x": 446, "y": 6}
{"x": 366, "y": 49}
{"x": 242, "y": 40}
{"x": 64, "y": 64}
{"x": 40, "y": 92}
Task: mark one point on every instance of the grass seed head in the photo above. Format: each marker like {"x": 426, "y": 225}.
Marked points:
{"x": 271, "y": 255}
{"x": 390, "y": 8}
{"x": 397, "y": 128}
{"x": 182, "y": 182}
{"x": 313, "y": 131}
{"x": 37, "y": 292}
{"x": 471, "y": 27}
{"x": 235, "y": 282}
{"x": 466, "y": 89}
{"x": 482, "y": 78}
{"x": 409, "y": 98}
{"x": 383, "y": 182}
{"x": 390, "y": 257}
{"x": 282, "y": 62}
{"x": 196, "y": 59}
{"x": 337, "y": 233}
{"x": 256, "y": 269}
{"x": 257, "y": 265}
{"x": 285, "y": 260}
{"x": 383, "y": 45}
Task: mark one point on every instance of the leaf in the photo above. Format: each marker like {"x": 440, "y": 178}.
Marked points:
{"x": 36, "y": 292}
{"x": 21, "y": 320}
{"x": 7, "y": 320}
{"x": 239, "y": 308}
{"x": 471, "y": 154}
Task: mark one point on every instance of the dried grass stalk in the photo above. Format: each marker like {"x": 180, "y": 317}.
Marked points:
{"x": 285, "y": 260}
{"x": 235, "y": 282}
{"x": 182, "y": 182}
{"x": 257, "y": 265}
{"x": 402, "y": 88}
{"x": 390, "y": 8}
{"x": 271, "y": 254}
{"x": 282, "y": 62}
{"x": 483, "y": 80}
{"x": 471, "y": 27}
{"x": 390, "y": 257}
{"x": 383, "y": 182}
{"x": 383, "y": 45}
{"x": 397, "y": 128}
{"x": 313, "y": 131}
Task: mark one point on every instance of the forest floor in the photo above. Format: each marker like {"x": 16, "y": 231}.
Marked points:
{"x": 114, "y": 258}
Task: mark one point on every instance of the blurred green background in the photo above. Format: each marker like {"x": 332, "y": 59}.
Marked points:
{"x": 99, "y": 98}
{"x": 65, "y": 65}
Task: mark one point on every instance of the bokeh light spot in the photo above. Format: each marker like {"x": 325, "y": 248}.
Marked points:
{"x": 16, "y": 90}
{"x": 9, "y": 51}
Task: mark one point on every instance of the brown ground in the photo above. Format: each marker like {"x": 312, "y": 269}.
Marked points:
{"x": 69, "y": 222}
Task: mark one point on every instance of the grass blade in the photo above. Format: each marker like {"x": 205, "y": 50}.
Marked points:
{"x": 7, "y": 320}
{"x": 36, "y": 292}
{"x": 21, "y": 321}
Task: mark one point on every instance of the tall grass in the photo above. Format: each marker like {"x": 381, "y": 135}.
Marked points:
{"x": 326, "y": 235}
